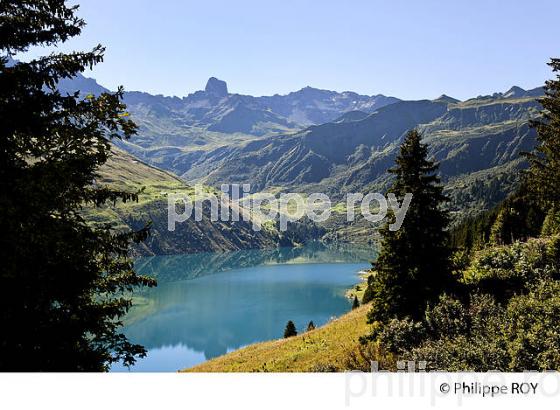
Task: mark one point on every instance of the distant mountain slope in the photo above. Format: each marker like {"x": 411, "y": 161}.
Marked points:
{"x": 311, "y": 106}
{"x": 256, "y": 115}
{"x": 355, "y": 115}
{"x": 314, "y": 154}
{"x": 482, "y": 136}
{"x": 174, "y": 130}
{"x": 124, "y": 172}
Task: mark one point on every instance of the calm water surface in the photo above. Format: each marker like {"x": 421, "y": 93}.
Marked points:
{"x": 209, "y": 304}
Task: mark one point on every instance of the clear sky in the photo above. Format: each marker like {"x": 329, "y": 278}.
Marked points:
{"x": 409, "y": 49}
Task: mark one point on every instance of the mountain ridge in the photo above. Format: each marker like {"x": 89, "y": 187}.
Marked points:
{"x": 237, "y": 138}
{"x": 482, "y": 136}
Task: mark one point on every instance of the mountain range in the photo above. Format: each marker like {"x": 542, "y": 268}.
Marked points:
{"x": 315, "y": 140}
{"x": 476, "y": 142}
{"x": 175, "y": 132}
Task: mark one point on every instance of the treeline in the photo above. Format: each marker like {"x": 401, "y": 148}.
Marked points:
{"x": 518, "y": 217}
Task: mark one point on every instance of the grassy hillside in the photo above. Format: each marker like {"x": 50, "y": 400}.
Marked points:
{"x": 123, "y": 171}
{"x": 327, "y": 345}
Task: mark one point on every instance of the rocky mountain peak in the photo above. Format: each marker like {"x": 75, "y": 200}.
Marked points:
{"x": 447, "y": 99}
{"x": 216, "y": 87}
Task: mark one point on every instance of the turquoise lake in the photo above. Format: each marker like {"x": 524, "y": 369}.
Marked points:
{"x": 206, "y": 305}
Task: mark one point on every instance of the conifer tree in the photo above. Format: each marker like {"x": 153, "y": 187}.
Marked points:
{"x": 551, "y": 224}
{"x": 311, "y": 326}
{"x": 413, "y": 266}
{"x": 544, "y": 171}
{"x": 290, "y": 329}
{"x": 355, "y": 303}
{"x": 64, "y": 284}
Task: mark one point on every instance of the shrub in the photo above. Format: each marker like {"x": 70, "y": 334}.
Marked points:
{"x": 448, "y": 318}
{"x": 480, "y": 335}
{"x": 532, "y": 328}
{"x": 400, "y": 336}
{"x": 508, "y": 270}
{"x": 369, "y": 292}
{"x": 361, "y": 357}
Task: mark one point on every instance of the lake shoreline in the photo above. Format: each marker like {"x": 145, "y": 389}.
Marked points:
{"x": 200, "y": 308}
{"x": 322, "y": 349}
{"x": 232, "y": 362}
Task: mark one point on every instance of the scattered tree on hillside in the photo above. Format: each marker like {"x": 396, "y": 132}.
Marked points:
{"x": 290, "y": 329}
{"x": 355, "y": 303}
{"x": 311, "y": 326}
{"x": 518, "y": 217}
{"x": 64, "y": 283}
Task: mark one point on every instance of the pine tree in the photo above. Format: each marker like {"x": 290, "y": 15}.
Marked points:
{"x": 311, "y": 326}
{"x": 502, "y": 228}
{"x": 413, "y": 266}
{"x": 355, "y": 303}
{"x": 544, "y": 170}
{"x": 64, "y": 283}
{"x": 290, "y": 329}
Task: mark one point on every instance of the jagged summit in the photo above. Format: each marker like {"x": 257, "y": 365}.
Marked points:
{"x": 311, "y": 91}
{"x": 515, "y": 91}
{"x": 447, "y": 99}
{"x": 216, "y": 87}
{"x": 518, "y": 92}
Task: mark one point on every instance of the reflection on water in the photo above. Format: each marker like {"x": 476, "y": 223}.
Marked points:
{"x": 189, "y": 266}
{"x": 195, "y": 314}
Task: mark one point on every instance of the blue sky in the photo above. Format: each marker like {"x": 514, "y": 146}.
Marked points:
{"x": 409, "y": 49}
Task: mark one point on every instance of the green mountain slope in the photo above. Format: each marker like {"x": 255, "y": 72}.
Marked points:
{"x": 127, "y": 173}
{"x": 214, "y": 137}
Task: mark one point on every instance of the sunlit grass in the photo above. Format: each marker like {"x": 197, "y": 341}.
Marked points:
{"x": 328, "y": 344}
